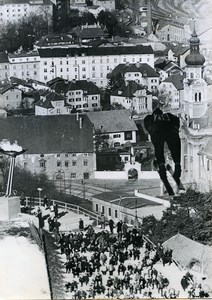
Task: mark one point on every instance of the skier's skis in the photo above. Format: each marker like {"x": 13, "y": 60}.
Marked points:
{"x": 180, "y": 186}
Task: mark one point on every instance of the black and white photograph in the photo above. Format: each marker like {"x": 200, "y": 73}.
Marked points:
{"x": 105, "y": 149}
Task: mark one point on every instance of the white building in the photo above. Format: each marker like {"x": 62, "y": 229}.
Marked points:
{"x": 132, "y": 96}
{"x": 24, "y": 65}
{"x": 197, "y": 125}
{"x": 90, "y": 63}
{"x": 118, "y": 125}
{"x": 14, "y": 10}
{"x": 141, "y": 73}
{"x": 82, "y": 95}
{"x": 172, "y": 88}
{"x": 51, "y": 104}
{"x": 4, "y": 66}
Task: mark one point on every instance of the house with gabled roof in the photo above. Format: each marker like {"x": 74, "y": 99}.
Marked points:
{"x": 82, "y": 95}
{"x": 166, "y": 68}
{"x": 173, "y": 87}
{"x": 10, "y": 97}
{"x": 178, "y": 54}
{"x": 117, "y": 125}
{"x": 170, "y": 31}
{"x": 133, "y": 96}
{"x": 191, "y": 255}
{"x": 142, "y": 73}
{"x": 57, "y": 145}
{"x": 86, "y": 33}
{"x": 51, "y": 103}
{"x": 54, "y": 41}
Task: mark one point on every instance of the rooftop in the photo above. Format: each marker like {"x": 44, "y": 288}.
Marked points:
{"x": 112, "y": 121}
{"x": 143, "y": 68}
{"x": 49, "y": 134}
{"x": 185, "y": 251}
{"x": 140, "y": 49}
{"x": 176, "y": 80}
{"x": 125, "y": 200}
{"x": 128, "y": 89}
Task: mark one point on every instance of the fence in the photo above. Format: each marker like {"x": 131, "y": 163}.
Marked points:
{"x": 65, "y": 206}
{"x": 40, "y": 240}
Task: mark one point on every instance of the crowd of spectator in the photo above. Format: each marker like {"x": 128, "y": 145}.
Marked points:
{"x": 115, "y": 263}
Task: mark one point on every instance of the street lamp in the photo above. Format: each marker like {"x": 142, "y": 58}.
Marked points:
{"x": 39, "y": 195}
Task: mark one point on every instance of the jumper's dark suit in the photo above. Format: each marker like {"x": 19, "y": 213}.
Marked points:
{"x": 164, "y": 127}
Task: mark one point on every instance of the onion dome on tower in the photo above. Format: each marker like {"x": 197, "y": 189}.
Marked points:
{"x": 194, "y": 58}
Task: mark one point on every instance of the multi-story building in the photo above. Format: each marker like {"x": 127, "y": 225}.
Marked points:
{"x": 51, "y": 103}
{"x": 172, "y": 89}
{"x": 57, "y": 145}
{"x": 169, "y": 31}
{"x": 10, "y": 97}
{"x": 132, "y": 96}
{"x": 4, "y": 66}
{"x": 117, "y": 126}
{"x": 15, "y": 10}
{"x": 90, "y": 63}
{"x": 197, "y": 126}
{"x": 24, "y": 65}
{"x": 141, "y": 73}
{"x": 82, "y": 95}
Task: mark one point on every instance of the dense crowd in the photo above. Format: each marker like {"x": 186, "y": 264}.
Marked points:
{"x": 115, "y": 263}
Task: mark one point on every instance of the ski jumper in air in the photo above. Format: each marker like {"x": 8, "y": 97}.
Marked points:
{"x": 164, "y": 128}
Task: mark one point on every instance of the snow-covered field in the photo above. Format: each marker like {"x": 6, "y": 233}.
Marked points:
{"x": 23, "y": 272}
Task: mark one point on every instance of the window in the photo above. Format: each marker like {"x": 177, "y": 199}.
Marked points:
{"x": 116, "y": 136}
{"x": 94, "y": 98}
{"x": 116, "y": 213}
{"x": 103, "y": 209}
{"x": 74, "y": 163}
{"x": 85, "y": 163}
{"x": 85, "y": 105}
{"x": 86, "y": 175}
{"x": 94, "y": 104}
{"x": 83, "y": 61}
{"x": 17, "y": 96}
{"x": 42, "y": 164}
{"x": 66, "y": 155}
{"x": 66, "y": 163}
{"x": 97, "y": 207}
{"x": 128, "y": 135}
{"x": 109, "y": 211}
{"x": 78, "y": 93}
{"x": 25, "y": 165}
{"x": 84, "y": 69}
{"x": 73, "y": 175}
{"x": 58, "y": 163}
{"x": 208, "y": 165}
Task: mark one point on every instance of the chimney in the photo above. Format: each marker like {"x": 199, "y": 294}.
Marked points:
{"x": 138, "y": 65}
{"x": 127, "y": 64}
{"x": 149, "y": 17}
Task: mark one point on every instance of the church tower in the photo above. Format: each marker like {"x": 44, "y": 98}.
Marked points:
{"x": 195, "y": 87}
{"x": 196, "y": 128}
